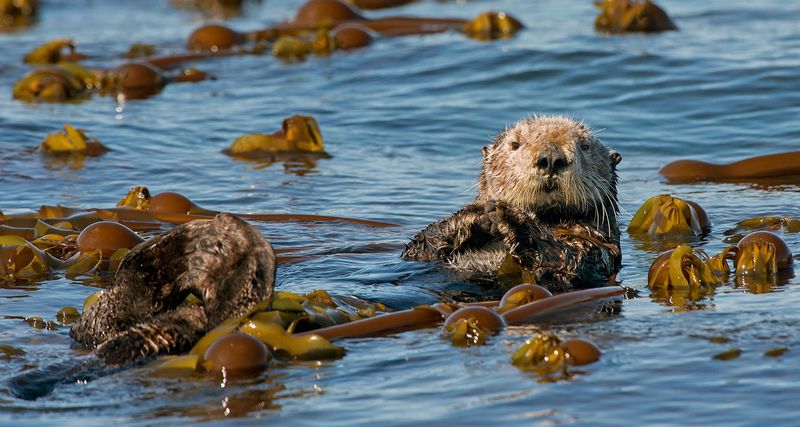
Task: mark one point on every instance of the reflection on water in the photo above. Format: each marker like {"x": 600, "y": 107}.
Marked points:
{"x": 404, "y": 121}
{"x": 212, "y": 400}
{"x": 295, "y": 164}
{"x": 700, "y": 298}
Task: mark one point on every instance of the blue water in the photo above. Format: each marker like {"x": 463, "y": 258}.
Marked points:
{"x": 404, "y": 121}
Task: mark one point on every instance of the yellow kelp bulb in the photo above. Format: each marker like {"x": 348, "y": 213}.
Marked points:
{"x": 521, "y": 295}
{"x": 238, "y": 355}
{"x": 783, "y": 255}
{"x": 91, "y": 299}
{"x": 472, "y": 325}
{"x": 108, "y": 237}
{"x": 542, "y": 354}
{"x": 321, "y": 13}
{"x": 137, "y": 75}
{"x": 67, "y": 315}
{"x": 487, "y": 318}
{"x": 352, "y": 36}
{"x": 214, "y": 37}
{"x": 664, "y": 216}
{"x": 170, "y": 202}
{"x": 492, "y": 25}
{"x": 581, "y": 352}
{"x": 620, "y": 16}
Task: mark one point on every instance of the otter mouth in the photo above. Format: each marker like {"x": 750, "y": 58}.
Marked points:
{"x": 549, "y": 185}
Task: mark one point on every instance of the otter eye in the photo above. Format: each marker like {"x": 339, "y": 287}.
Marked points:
{"x": 514, "y": 145}
{"x": 584, "y": 146}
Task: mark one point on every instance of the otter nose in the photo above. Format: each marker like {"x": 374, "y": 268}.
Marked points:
{"x": 551, "y": 164}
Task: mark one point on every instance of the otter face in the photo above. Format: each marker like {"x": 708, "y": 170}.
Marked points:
{"x": 550, "y": 164}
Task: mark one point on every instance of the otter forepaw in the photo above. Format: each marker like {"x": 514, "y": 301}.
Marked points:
{"x": 125, "y": 348}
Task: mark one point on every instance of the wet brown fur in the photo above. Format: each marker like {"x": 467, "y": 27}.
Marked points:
{"x": 556, "y": 217}
{"x": 224, "y": 262}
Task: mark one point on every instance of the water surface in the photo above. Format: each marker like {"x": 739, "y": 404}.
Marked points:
{"x": 404, "y": 121}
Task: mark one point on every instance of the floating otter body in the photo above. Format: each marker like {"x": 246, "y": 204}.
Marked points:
{"x": 547, "y": 200}
{"x": 225, "y": 262}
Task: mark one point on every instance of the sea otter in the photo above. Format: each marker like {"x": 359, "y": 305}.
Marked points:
{"x": 224, "y": 262}
{"x": 547, "y": 198}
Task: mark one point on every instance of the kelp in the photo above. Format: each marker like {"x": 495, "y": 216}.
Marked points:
{"x": 53, "y": 52}
{"x": 140, "y": 50}
{"x": 549, "y": 357}
{"x": 67, "y": 315}
{"x": 108, "y": 237}
{"x": 510, "y": 273}
{"x": 176, "y": 208}
{"x": 684, "y": 275}
{"x": 316, "y": 16}
{"x": 472, "y": 325}
{"x": 685, "y": 268}
{"x": 291, "y": 47}
{"x": 414, "y": 318}
{"x": 51, "y": 83}
{"x": 94, "y": 263}
{"x": 236, "y": 355}
{"x": 624, "y": 16}
{"x": 138, "y": 197}
{"x": 217, "y": 9}
{"x": 379, "y": 4}
{"x": 37, "y": 322}
{"x": 67, "y": 81}
{"x": 520, "y": 295}
{"x": 17, "y": 13}
{"x": 91, "y": 299}
{"x": 777, "y": 168}
{"x": 774, "y": 223}
{"x": 298, "y": 134}
{"x": 140, "y": 211}
{"x": 180, "y": 366}
{"x": 542, "y": 355}
{"x": 20, "y": 259}
{"x": 762, "y": 254}
{"x": 666, "y": 217}
{"x": 492, "y": 26}
{"x": 276, "y": 320}
{"x": 302, "y": 347}
{"x": 72, "y": 141}
{"x": 541, "y": 308}
{"x": 345, "y": 37}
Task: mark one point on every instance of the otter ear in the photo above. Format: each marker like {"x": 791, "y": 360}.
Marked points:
{"x": 615, "y": 158}
{"x": 485, "y": 152}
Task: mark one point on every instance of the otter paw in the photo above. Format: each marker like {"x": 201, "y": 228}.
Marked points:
{"x": 125, "y": 348}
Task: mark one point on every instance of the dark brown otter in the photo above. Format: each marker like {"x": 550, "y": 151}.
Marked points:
{"x": 547, "y": 199}
{"x": 225, "y": 262}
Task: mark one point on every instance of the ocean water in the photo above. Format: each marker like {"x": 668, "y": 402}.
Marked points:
{"x": 404, "y": 121}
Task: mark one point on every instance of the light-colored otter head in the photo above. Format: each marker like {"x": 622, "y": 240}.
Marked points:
{"x": 551, "y": 165}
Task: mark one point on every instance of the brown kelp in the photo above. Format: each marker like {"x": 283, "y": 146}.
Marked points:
{"x": 624, "y": 16}
{"x": 775, "y": 168}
